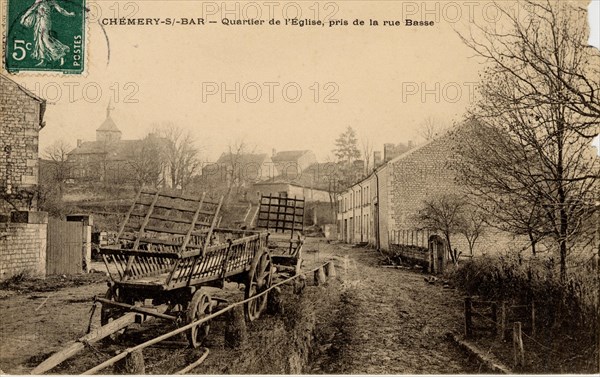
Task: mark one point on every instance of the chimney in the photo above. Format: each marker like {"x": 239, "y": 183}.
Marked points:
{"x": 79, "y": 141}
{"x": 376, "y": 158}
{"x": 388, "y": 151}
{"x": 273, "y": 152}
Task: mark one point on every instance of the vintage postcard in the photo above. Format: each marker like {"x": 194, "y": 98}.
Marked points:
{"x": 299, "y": 187}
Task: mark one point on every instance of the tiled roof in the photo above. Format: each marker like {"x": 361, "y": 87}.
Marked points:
{"x": 288, "y": 155}
{"x": 114, "y": 150}
{"x": 248, "y": 158}
{"x": 108, "y": 125}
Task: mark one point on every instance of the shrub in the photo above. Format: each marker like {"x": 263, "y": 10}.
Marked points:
{"x": 570, "y": 305}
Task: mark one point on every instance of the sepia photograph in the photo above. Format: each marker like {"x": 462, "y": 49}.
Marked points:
{"x": 319, "y": 187}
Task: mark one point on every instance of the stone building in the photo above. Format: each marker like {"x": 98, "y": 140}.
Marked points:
{"x": 383, "y": 206}
{"x": 292, "y": 163}
{"x": 389, "y": 198}
{"x": 21, "y": 119}
{"x": 244, "y": 169}
{"x": 22, "y": 229}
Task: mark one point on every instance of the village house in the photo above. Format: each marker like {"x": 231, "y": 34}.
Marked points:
{"x": 111, "y": 159}
{"x": 389, "y": 198}
{"x": 243, "y": 168}
{"x": 22, "y": 229}
{"x": 383, "y": 206}
{"x": 292, "y": 163}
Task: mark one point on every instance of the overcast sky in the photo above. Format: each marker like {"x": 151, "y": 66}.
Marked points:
{"x": 375, "y": 73}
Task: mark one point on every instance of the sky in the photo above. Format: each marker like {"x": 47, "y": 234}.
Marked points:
{"x": 383, "y": 81}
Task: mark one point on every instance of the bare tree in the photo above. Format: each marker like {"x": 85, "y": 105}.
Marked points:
{"x": 495, "y": 168}
{"x": 181, "y": 155}
{"x": 472, "y": 225}
{"x": 445, "y": 214}
{"x": 550, "y": 40}
{"x": 367, "y": 151}
{"x": 430, "y": 128}
{"x": 539, "y": 93}
{"x": 148, "y": 164}
{"x": 234, "y": 158}
{"x": 59, "y": 168}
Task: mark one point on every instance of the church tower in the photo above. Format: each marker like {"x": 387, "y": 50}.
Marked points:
{"x": 108, "y": 130}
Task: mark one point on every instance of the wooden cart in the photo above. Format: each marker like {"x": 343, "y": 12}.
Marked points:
{"x": 283, "y": 218}
{"x": 168, "y": 250}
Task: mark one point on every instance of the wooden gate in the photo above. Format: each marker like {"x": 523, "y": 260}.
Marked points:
{"x": 64, "y": 247}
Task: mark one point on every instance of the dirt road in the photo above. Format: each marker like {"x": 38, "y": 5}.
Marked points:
{"x": 391, "y": 321}
{"x": 379, "y": 321}
{"x": 33, "y": 324}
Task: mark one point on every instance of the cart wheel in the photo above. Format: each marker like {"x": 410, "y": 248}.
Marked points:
{"x": 200, "y": 307}
{"x": 259, "y": 280}
{"x": 109, "y": 313}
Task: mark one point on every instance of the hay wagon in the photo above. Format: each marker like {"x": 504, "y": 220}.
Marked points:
{"x": 283, "y": 218}
{"x": 168, "y": 250}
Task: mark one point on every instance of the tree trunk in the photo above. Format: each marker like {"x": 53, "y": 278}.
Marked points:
{"x": 562, "y": 196}
{"x": 449, "y": 245}
{"x": 533, "y": 244}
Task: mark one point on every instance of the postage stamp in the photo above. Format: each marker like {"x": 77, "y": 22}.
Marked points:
{"x": 45, "y": 36}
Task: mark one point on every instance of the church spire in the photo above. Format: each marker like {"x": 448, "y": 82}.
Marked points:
{"x": 109, "y": 108}
{"x": 108, "y": 130}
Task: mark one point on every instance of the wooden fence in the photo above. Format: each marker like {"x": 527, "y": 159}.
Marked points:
{"x": 64, "y": 247}
{"x": 419, "y": 238}
{"x": 494, "y": 317}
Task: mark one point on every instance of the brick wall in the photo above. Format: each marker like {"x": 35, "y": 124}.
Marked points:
{"x": 422, "y": 174}
{"x": 20, "y": 121}
{"x": 23, "y": 244}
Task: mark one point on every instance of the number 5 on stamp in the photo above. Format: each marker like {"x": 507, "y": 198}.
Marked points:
{"x": 45, "y": 35}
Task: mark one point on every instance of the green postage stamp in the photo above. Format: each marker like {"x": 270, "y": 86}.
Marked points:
{"x": 45, "y": 36}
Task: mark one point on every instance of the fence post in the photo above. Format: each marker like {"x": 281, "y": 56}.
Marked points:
{"x": 133, "y": 363}
{"x": 299, "y": 284}
{"x": 518, "y": 351}
{"x": 236, "y": 333}
{"x": 330, "y": 270}
{"x": 275, "y": 302}
{"x": 468, "y": 318}
{"x": 320, "y": 278}
{"x": 502, "y": 322}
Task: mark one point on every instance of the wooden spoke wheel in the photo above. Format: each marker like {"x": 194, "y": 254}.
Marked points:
{"x": 259, "y": 280}
{"x": 109, "y": 313}
{"x": 199, "y": 307}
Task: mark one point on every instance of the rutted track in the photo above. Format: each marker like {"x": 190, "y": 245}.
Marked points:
{"x": 393, "y": 322}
